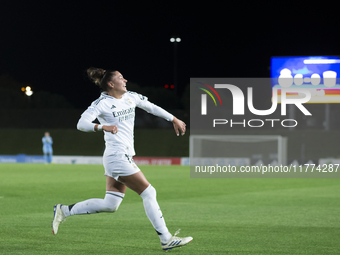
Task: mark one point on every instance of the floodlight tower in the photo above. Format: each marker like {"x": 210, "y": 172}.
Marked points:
{"x": 175, "y": 41}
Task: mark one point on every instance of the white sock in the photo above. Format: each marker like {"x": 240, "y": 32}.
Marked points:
{"x": 154, "y": 213}
{"x": 110, "y": 203}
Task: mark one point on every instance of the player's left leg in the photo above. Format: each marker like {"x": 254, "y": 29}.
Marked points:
{"x": 115, "y": 192}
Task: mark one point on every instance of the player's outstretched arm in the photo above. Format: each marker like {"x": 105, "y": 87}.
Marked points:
{"x": 178, "y": 126}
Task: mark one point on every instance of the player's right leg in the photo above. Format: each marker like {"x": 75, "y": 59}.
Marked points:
{"x": 176, "y": 241}
{"x": 113, "y": 198}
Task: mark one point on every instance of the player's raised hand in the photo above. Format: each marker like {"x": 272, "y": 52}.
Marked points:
{"x": 179, "y": 126}
{"x": 112, "y": 129}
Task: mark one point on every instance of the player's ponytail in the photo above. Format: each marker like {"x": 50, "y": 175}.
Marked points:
{"x": 100, "y": 77}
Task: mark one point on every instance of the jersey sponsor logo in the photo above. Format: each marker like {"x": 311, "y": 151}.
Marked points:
{"x": 123, "y": 112}
{"x": 126, "y": 117}
{"x": 112, "y": 107}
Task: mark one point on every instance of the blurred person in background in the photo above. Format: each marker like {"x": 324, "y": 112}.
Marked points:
{"x": 47, "y": 147}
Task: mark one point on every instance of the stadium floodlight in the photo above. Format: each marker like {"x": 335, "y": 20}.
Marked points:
{"x": 175, "y": 41}
{"x": 28, "y": 91}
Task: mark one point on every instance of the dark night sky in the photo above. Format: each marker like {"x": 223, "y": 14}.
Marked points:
{"x": 50, "y": 44}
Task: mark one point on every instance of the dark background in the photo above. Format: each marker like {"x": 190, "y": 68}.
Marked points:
{"x": 48, "y": 45}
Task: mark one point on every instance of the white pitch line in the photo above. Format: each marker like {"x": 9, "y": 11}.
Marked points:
{"x": 1, "y": 197}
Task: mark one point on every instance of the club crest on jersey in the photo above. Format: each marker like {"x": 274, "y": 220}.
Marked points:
{"x": 129, "y": 100}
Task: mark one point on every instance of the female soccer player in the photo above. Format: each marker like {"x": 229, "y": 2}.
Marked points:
{"x": 115, "y": 110}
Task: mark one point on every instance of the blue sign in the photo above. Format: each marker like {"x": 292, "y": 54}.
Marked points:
{"x": 21, "y": 158}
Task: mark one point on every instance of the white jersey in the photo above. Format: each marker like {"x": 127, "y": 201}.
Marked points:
{"x": 121, "y": 112}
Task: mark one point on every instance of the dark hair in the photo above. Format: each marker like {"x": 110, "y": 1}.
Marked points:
{"x": 100, "y": 76}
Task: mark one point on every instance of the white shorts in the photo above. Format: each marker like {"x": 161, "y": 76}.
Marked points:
{"x": 118, "y": 164}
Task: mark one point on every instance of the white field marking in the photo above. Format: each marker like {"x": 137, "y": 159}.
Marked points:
{"x": 1, "y": 197}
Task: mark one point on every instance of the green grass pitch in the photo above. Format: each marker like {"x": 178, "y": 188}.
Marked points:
{"x": 224, "y": 216}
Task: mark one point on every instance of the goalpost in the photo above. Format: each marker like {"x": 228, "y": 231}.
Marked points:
{"x": 238, "y": 150}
